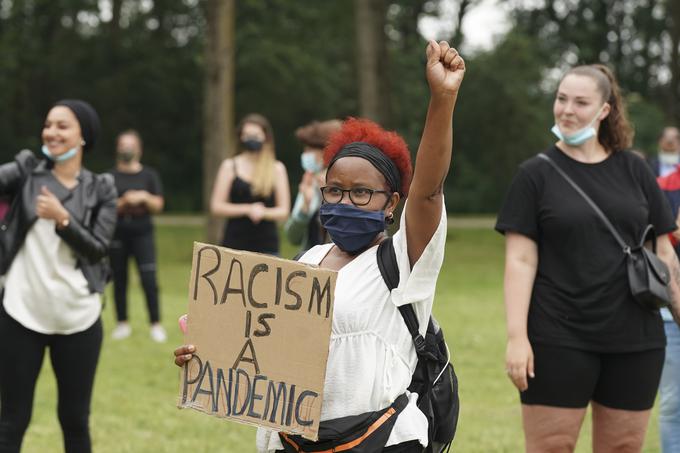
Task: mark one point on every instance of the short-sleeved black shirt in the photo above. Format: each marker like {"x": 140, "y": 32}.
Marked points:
{"x": 136, "y": 219}
{"x": 581, "y": 297}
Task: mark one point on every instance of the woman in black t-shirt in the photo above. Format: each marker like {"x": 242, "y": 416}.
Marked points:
{"x": 140, "y": 196}
{"x": 251, "y": 190}
{"x": 575, "y": 335}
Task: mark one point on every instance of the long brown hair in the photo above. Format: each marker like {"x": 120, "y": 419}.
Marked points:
{"x": 616, "y": 132}
{"x": 263, "y": 176}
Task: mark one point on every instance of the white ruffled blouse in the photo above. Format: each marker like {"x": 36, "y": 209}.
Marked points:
{"x": 371, "y": 356}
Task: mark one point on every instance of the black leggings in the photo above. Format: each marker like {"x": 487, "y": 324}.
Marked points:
{"x": 74, "y": 360}
{"x": 142, "y": 247}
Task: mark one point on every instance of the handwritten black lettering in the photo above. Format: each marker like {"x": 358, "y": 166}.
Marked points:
{"x": 289, "y": 411}
{"x": 254, "y": 396}
{"x": 279, "y": 279}
{"x": 274, "y": 394}
{"x": 290, "y": 290}
{"x": 208, "y": 273}
{"x": 253, "y": 273}
{"x": 319, "y": 293}
{"x": 207, "y": 370}
{"x": 252, "y": 359}
{"x": 298, "y": 419}
{"x": 262, "y": 319}
{"x": 187, "y": 380}
{"x": 228, "y": 289}
{"x": 222, "y": 384}
{"x": 237, "y": 392}
{"x": 248, "y": 317}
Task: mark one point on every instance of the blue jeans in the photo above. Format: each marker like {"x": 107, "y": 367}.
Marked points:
{"x": 669, "y": 414}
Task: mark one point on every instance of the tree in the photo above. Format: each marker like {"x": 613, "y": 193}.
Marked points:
{"x": 372, "y": 58}
{"x": 640, "y": 40}
{"x": 218, "y": 100}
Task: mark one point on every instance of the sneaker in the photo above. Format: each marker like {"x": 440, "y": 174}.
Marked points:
{"x": 122, "y": 331}
{"x": 158, "y": 334}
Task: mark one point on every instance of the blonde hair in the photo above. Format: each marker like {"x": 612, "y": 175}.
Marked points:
{"x": 264, "y": 174}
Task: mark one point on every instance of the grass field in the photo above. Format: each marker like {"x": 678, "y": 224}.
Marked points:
{"x": 137, "y": 383}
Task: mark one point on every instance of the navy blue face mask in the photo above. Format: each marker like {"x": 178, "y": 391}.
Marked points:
{"x": 351, "y": 228}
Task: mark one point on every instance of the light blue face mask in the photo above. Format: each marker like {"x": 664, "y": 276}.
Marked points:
{"x": 310, "y": 163}
{"x": 60, "y": 158}
{"x": 581, "y": 136}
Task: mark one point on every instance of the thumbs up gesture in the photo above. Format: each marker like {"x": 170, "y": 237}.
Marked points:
{"x": 48, "y": 206}
{"x": 445, "y": 68}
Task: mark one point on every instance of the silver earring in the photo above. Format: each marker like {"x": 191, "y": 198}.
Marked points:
{"x": 82, "y": 142}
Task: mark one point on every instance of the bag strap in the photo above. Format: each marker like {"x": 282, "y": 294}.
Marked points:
{"x": 387, "y": 263}
{"x": 649, "y": 234}
{"x": 624, "y": 246}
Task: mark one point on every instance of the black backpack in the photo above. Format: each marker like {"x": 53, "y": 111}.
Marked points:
{"x": 434, "y": 378}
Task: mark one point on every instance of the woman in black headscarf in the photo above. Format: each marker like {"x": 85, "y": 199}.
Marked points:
{"x": 52, "y": 243}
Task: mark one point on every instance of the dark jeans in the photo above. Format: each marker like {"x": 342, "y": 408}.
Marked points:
{"x": 143, "y": 249}
{"x": 74, "y": 360}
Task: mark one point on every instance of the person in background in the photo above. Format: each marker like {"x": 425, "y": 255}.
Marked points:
{"x": 668, "y": 157}
{"x": 575, "y": 335}
{"x": 251, "y": 190}
{"x": 303, "y": 227}
{"x": 140, "y": 196}
{"x": 58, "y": 237}
{"x": 669, "y": 388}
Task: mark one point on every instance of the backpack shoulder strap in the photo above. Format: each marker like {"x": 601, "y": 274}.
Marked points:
{"x": 387, "y": 263}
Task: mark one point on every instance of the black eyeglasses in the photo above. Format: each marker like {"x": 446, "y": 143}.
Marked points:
{"x": 359, "y": 196}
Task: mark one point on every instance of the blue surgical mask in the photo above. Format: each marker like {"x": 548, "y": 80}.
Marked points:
{"x": 309, "y": 162}
{"x": 351, "y": 228}
{"x": 60, "y": 158}
{"x": 581, "y": 136}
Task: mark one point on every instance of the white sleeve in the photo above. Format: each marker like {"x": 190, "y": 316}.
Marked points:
{"x": 417, "y": 285}
{"x": 267, "y": 441}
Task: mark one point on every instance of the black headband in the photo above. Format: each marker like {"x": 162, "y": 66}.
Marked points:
{"x": 377, "y": 158}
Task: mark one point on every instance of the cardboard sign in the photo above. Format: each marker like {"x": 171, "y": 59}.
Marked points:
{"x": 261, "y": 326}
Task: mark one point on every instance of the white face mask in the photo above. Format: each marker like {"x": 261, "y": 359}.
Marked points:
{"x": 669, "y": 158}
{"x": 582, "y": 135}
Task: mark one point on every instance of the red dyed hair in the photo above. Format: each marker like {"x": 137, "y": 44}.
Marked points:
{"x": 389, "y": 142}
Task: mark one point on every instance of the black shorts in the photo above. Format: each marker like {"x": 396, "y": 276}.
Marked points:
{"x": 567, "y": 377}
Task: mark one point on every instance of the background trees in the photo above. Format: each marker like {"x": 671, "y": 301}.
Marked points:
{"x": 146, "y": 64}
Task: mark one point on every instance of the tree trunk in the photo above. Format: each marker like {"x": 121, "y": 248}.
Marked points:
{"x": 372, "y": 66}
{"x": 218, "y": 102}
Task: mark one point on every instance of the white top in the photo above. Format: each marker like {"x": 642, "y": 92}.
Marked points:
{"x": 44, "y": 290}
{"x": 371, "y": 356}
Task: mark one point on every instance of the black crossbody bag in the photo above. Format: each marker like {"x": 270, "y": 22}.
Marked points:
{"x": 648, "y": 276}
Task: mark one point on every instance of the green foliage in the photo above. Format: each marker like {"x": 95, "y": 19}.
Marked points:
{"x": 502, "y": 118}
{"x": 142, "y": 67}
{"x": 648, "y": 119}
{"x": 632, "y": 37}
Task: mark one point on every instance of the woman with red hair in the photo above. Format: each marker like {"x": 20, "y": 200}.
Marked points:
{"x": 372, "y": 356}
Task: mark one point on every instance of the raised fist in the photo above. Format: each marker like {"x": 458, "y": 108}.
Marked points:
{"x": 445, "y": 68}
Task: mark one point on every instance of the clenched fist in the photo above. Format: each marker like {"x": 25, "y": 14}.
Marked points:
{"x": 445, "y": 69}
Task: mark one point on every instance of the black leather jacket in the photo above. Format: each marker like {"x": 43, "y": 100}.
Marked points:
{"x": 91, "y": 204}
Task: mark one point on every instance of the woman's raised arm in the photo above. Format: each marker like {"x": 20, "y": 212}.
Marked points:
{"x": 445, "y": 70}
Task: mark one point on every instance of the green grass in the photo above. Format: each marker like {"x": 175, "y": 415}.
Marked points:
{"x": 135, "y": 392}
